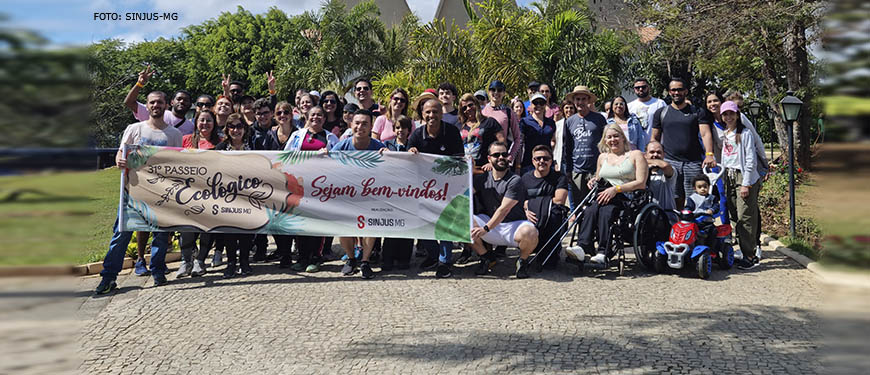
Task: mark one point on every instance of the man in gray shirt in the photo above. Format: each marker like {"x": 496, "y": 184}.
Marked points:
{"x": 661, "y": 177}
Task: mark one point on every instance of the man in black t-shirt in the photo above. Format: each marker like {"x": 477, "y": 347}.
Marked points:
{"x": 499, "y": 197}
{"x": 546, "y": 193}
{"x": 677, "y": 127}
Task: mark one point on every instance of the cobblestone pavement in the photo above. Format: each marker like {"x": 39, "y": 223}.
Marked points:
{"x": 763, "y": 321}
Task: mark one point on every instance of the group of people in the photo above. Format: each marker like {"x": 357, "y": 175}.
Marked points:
{"x": 532, "y": 160}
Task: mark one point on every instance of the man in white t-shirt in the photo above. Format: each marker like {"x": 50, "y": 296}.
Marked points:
{"x": 151, "y": 132}
{"x": 179, "y": 105}
{"x": 645, "y": 105}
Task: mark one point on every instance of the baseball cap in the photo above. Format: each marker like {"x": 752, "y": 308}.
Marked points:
{"x": 728, "y": 106}
{"x": 538, "y": 96}
{"x": 481, "y": 94}
{"x": 496, "y": 85}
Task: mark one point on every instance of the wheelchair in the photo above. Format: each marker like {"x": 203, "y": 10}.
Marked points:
{"x": 639, "y": 225}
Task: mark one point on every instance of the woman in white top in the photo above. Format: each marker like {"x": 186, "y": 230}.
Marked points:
{"x": 567, "y": 110}
{"x": 741, "y": 180}
{"x": 626, "y": 171}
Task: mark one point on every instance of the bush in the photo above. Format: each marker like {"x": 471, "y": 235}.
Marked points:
{"x": 132, "y": 248}
{"x": 773, "y": 202}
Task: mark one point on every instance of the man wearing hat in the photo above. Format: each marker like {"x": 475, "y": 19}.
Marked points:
{"x": 583, "y": 130}
{"x": 533, "y": 87}
{"x": 509, "y": 123}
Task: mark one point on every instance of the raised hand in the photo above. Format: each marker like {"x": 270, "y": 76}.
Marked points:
{"x": 270, "y": 80}
{"x": 145, "y": 75}
{"x": 225, "y": 83}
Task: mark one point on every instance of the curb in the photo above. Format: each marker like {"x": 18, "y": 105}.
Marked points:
{"x": 846, "y": 279}
{"x": 79, "y": 270}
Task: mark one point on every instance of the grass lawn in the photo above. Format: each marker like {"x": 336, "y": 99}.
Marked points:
{"x": 60, "y": 218}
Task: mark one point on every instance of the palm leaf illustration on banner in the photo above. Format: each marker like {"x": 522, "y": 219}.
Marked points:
{"x": 281, "y": 222}
{"x": 296, "y": 157}
{"x": 450, "y": 166}
{"x": 139, "y": 156}
{"x": 139, "y": 215}
{"x": 362, "y": 159}
{"x": 452, "y": 224}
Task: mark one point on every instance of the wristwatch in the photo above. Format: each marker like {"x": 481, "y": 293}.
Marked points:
{"x": 486, "y": 228}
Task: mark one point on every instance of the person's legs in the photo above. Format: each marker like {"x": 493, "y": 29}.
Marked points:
{"x": 284, "y": 244}
{"x": 159, "y": 246}
{"x": 188, "y": 246}
{"x": 231, "y": 243}
{"x": 114, "y": 260}
{"x": 141, "y": 244}
{"x": 745, "y": 219}
{"x": 261, "y": 242}
{"x": 526, "y": 238}
{"x": 679, "y": 184}
{"x": 586, "y": 236}
{"x": 606, "y": 216}
{"x": 246, "y": 243}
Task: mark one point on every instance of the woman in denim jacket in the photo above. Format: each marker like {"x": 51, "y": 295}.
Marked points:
{"x": 629, "y": 123}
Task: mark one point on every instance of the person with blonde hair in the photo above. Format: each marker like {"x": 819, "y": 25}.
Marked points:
{"x": 383, "y": 127}
{"x": 625, "y": 171}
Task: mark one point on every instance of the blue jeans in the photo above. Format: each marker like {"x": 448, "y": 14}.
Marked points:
{"x": 114, "y": 261}
{"x": 443, "y": 250}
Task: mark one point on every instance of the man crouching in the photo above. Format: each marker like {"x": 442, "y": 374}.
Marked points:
{"x": 500, "y": 221}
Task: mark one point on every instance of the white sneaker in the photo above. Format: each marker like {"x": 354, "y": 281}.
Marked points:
{"x": 218, "y": 259}
{"x": 184, "y": 270}
{"x": 738, "y": 254}
{"x": 598, "y": 258}
{"x": 198, "y": 268}
{"x": 758, "y": 252}
{"x": 576, "y": 252}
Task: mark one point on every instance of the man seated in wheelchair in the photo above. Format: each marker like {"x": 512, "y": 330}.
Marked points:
{"x": 624, "y": 171}
{"x": 546, "y": 193}
{"x": 704, "y": 206}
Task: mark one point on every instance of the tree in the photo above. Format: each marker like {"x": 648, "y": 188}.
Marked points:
{"x": 760, "y": 40}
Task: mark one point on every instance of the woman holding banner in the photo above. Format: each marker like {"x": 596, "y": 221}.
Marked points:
{"x": 311, "y": 138}
{"x": 237, "y": 140}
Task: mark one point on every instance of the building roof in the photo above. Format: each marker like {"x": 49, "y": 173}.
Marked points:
{"x": 392, "y": 11}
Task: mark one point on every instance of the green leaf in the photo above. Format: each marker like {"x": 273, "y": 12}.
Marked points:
{"x": 281, "y": 222}
{"x": 296, "y": 157}
{"x": 450, "y": 166}
{"x": 140, "y": 155}
{"x": 454, "y": 223}
{"x": 139, "y": 215}
{"x": 362, "y": 159}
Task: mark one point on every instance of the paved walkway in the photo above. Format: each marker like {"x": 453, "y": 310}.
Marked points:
{"x": 763, "y": 321}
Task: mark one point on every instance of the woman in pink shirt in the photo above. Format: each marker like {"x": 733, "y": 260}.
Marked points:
{"x": 383, "y": 127}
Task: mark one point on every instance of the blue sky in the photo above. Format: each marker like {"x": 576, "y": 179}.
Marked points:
{"x": 72, "y": 22}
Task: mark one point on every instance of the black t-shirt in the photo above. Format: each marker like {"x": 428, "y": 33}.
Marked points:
{"x": 260, "y": 139}
{"x": 679, "y": 129}
{"x": 544, "y": 187}
{"x": 488, "y": 194}
{"x": 448, "y": 141}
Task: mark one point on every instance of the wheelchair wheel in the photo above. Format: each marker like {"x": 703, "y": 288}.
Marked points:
{"x": 650, "y": 226}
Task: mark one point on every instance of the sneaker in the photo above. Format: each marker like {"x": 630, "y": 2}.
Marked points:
{"x": 312, "y": 268}
{"x": 105, "y": 287}
{"x": 285, "y": 263}
{"x": 349, "y": 267}
{"x": 598, "y": 258}
{"x": 738, "y": 255}
{"x": 483, "y": 267}
{"x": 428, "y": 264}
{"x": 366, "y": 270}
{"x": 576, "y": 252}
{"x": 160, "y": 280}
{"x": 246, "y": 270}
{"x": 230, "y": 271}
{"x": 298, "y": 267}
{"x": 463, "y": 258}
{"x": 140, "y": 268}
{"x": 443, "y": 271}
{"x": 758, "y": 252}
{"x": 218, "y": 259}
{"x": 184, "y": 270}
{"x": 273, "y": 256}
{"x": 198, "y": 268}
{"x": 500, "y": 251}
{"x": 747, "y": 264}
{"x": 259, "y": 256}
{"x": 522, "y": 268}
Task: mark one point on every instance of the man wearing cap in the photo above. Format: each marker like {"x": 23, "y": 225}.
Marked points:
{"x": 583, "y": 131}
{"x": 509, "y": 123}
{"x": 481, "y": 96}
{"x": 533, "y": 88}
{"x": 677, "y": 127}
{"x": 645, "y": 105}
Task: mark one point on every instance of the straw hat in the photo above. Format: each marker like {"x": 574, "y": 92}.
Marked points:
{"x": 581, "y": 90}
{"x": 424, "y": 96}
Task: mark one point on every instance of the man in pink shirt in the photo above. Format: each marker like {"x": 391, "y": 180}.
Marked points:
{"x": 509, "y": 123}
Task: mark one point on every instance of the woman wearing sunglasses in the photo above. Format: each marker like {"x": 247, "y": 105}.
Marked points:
{"x": 237, "y": 140}
{"x": 334, "y": 122}
{"x": 537, "y": 129}
{"x": 383, "y": 127}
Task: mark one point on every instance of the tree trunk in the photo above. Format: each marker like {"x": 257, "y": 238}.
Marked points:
{"x": 768, "y": 71}
{"x": 798, "y": 77}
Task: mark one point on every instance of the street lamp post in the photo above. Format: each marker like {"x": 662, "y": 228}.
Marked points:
{"x": 754, "y": 109}
{"x": 791, "y": 110}
{"x": 771, "y": 120}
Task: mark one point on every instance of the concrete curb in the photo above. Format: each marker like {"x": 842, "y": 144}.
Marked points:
{"x": 79, "y": 270}
{"x": 846, "y": 279}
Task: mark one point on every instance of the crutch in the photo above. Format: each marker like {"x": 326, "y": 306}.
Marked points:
{"x": 578, "y": 212}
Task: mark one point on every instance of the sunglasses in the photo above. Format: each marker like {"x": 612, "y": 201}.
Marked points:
{"x": 545, "y": 91}
{"x": 330, "y": 101}
{"x": 207, "y": 105}
{"x": 363, "y": 88}
{"x": 539, "y": 103}
{"x": 640, "y": 87}
{"x": 235, "y": 126}
{"x": 468, "y": 106}
{"x": 262, "y": 113}
{"x": 400, "y": 100}
{"x": 497, "y": 90}
{"x": 279, "y": 113}
{"x": 499, "y": 155}
{"x": 542, "y": 158}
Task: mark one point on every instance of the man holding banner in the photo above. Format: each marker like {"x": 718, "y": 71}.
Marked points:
{"x": 153, "y": 132}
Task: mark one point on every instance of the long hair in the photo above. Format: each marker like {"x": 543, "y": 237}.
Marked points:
{"x": 612, "y": 112}
{"x": 602, "y": 145}
{"x": 284, "y": 106}
{"x": 231, "y": 119}
{"x": 338, "y": 106}
{"x": 389, "y": 111}
{"x": 478, "y": 115}
{"x": 214, "y": 138}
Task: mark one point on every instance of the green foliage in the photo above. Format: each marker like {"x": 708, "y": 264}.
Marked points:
{"x": 296, "y": 157}
{"x": 450, "y": 166}
{"x": 361, "y": 159}
{"x": 384, "y": 84}
{"x": 133, "y": 246}
{"x": 454, "y": 222}
{"x": 441, "y": 53}
{"x": 773, "y": 203}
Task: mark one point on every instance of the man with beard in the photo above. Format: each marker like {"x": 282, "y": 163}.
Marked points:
{"x": 179, "y": 105}
{"x": 645, "y": 105}
{"x": 583, "y": 130}
{"x": 499, "y": 198}
{"x": 546, "y": 194}
{"x": 677, "y": 127}
{"x": 151, "y": 132}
